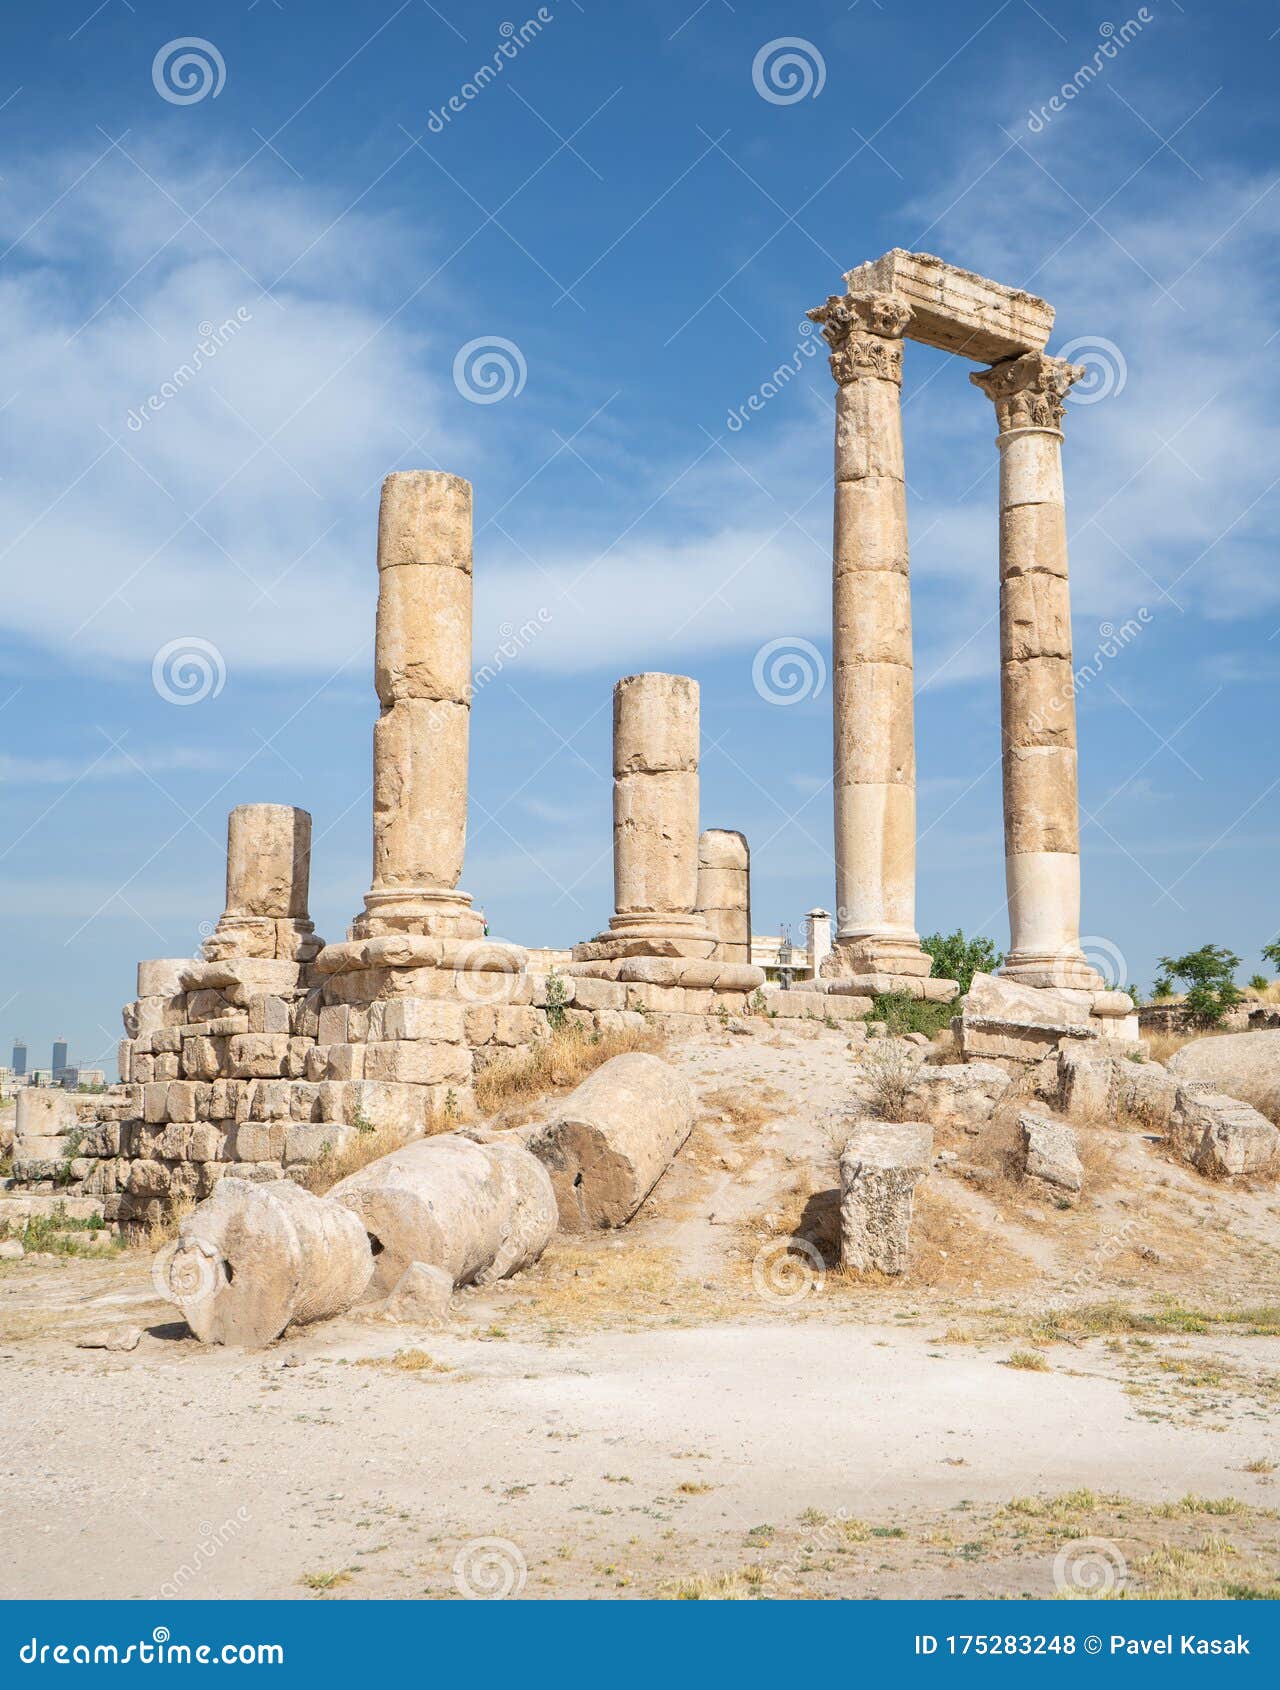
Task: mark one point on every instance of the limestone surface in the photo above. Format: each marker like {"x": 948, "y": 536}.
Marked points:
{"x": 880, "y": 1167}
{"x": 613, "y": 1139}
{"x": 1244, "y": 1065}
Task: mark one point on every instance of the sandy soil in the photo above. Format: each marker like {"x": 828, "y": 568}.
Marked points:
{"x": 686, "y": 1408}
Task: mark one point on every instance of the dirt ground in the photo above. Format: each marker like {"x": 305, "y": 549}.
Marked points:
{"x": 1053, "y": 1401}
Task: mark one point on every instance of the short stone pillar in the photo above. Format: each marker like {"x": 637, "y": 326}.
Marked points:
{"x": 422, "y": 665}
{"x": 873, "y": 687}
{"x": 817, "y": 934}
{"x": 655, "y": 823}
{"x": 724, "y": 892}
{"x": 268, "y": 880}
{"x": 1037, "y": 690}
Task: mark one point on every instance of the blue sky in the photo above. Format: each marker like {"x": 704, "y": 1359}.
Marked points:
{"x": 643, "y": 215}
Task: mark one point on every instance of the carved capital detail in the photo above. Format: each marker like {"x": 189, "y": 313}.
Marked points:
{"x": 864, "y": 332}
{"x": 1029, "y": 391}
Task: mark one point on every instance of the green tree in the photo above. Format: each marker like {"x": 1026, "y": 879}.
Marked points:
{"x": 957, "y": 958}
{"x": 1210, "y": 976}
{"x": 1271, "y": 953}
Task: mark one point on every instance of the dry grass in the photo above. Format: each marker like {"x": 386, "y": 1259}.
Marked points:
{"x": 1212, "y": 1570}
{"x": 156, "y": 1234}
{"x": 338, "y": 1161}
{"x": 511, "y": 1084}
{"x": 601, "y": 1285}
{"x": 743, "y": 1112}
{"x": 1027, "y": 1361}
{"x": 891, "y": 1070}
{"x": 406, "y": 1361}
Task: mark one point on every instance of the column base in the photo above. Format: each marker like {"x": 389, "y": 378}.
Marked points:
{"x": 1054, "y": 970}
{"x": 286, "y": 938}
{"x": 426, "y": 910}
{"x": 676, "y": 934}
{"x": 875, "y": 953}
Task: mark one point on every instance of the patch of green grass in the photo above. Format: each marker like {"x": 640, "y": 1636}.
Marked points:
{"x": 902, "y": 1013}
{"x": 329, "y": 1580}
{"x": 57, "y": 1233}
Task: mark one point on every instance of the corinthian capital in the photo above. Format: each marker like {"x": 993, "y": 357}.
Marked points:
{"x": 864, "y": 332}
{"x": 1029, "y": 391}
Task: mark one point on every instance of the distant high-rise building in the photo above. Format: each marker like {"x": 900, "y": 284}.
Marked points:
{"x": 19, "y": 1057}
{"x": 59, "y": 1055}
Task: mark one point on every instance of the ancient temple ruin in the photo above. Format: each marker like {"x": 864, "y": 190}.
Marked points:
{"x": 270, "y": 1048}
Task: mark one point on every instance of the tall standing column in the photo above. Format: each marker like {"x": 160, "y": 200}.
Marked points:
{"x": 268, "y": 878}
{"x": 875, "y": 776}
{"x": 422, "y": 668}
{"x": 1037, "y": 693}
{"x": 655, "y": 823}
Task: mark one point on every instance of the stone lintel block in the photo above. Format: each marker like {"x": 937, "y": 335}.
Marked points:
{"x": 161, "y": 977}
{"x": 870, "y": 534}
{"x": 417, "y": 1062}
{"x": 869, "y": 431}
{"x": 957, "y": 310}
{"x": 655, "y": 724}
{"x": 242, "y": 976}
{"x": 266, "y": 1056}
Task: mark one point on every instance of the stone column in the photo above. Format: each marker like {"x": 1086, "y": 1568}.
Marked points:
{"x": 817, "y": 935}
{"x": 724, "y": 892}
{"x": 875, "y": 777}
{"x": 1037, "y": 693}
{"x": 655, "y": 823}
{"x": 268, "y": 879}
{"x": 422, "y": 666}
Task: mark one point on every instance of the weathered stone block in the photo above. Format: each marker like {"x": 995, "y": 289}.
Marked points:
{"x": 416, "y": 1061}
{"x": 879, "y": 1170}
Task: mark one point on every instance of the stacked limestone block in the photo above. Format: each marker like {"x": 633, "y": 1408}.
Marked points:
{"x": 724, "y": 892}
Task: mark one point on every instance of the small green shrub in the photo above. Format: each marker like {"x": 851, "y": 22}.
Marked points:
{"x": 957, "y": 958}
{"x": 1259, "y": 982}
{"x": 901, "y": 1013}
{"x": 1210, "y": 976}
{"x": 557, "y": 998}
